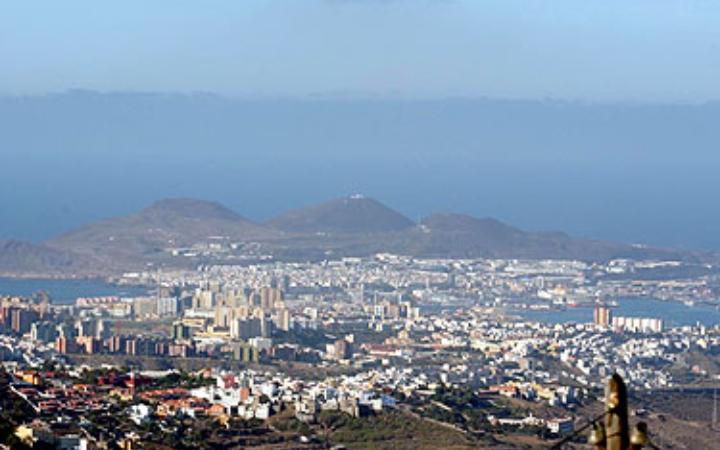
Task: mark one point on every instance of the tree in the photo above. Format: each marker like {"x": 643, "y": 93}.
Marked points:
{"x": 330, "y": 421}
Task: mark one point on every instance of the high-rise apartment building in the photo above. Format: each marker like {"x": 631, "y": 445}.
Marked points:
{"x": 602, "y": 316}
{"x": 284, "y": 319}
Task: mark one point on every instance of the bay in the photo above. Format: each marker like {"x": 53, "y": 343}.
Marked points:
{"x": 65, "y": 292}
{"x": 673, "y": 313}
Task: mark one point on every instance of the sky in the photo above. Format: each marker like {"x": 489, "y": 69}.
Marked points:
{"x": 275, "y": 104}
{"x": 610, "y": 50}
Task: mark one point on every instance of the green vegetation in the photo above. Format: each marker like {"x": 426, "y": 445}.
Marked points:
{"x": 306, "y": 337}
{"x": 458, "y": 398}
{"x": 13, "y": 412}
{"x": 391, "y": 430}
{"x": 461, "y": 407}
{"x": 286, "y": 422}
{"x": 180, "y": 380}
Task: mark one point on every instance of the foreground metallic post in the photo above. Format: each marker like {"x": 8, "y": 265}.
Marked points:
{"x": 616, "y": 419}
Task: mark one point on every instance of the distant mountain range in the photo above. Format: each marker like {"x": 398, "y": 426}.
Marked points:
{"x": 355, "y": 214}
{"x": 597, "y": 169}
{"x": 187, "y": 232}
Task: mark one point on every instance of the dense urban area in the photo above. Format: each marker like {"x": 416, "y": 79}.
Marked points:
{"x": 380, "y": 352}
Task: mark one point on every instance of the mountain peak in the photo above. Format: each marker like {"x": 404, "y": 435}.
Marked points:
{"x": 353, "y": 214}
{"x": 466, "y": 223}
{"x": 190, "y": 208}
{"x": 124, "y": 241}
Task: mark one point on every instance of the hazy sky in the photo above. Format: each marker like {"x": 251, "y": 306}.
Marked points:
{"x": 609, "y": 166}
{"x": 646, "y": 50}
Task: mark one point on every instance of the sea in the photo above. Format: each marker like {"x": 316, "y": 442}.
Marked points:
{"x": 65, "y": 292}
{"x": 673, "y": 313}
